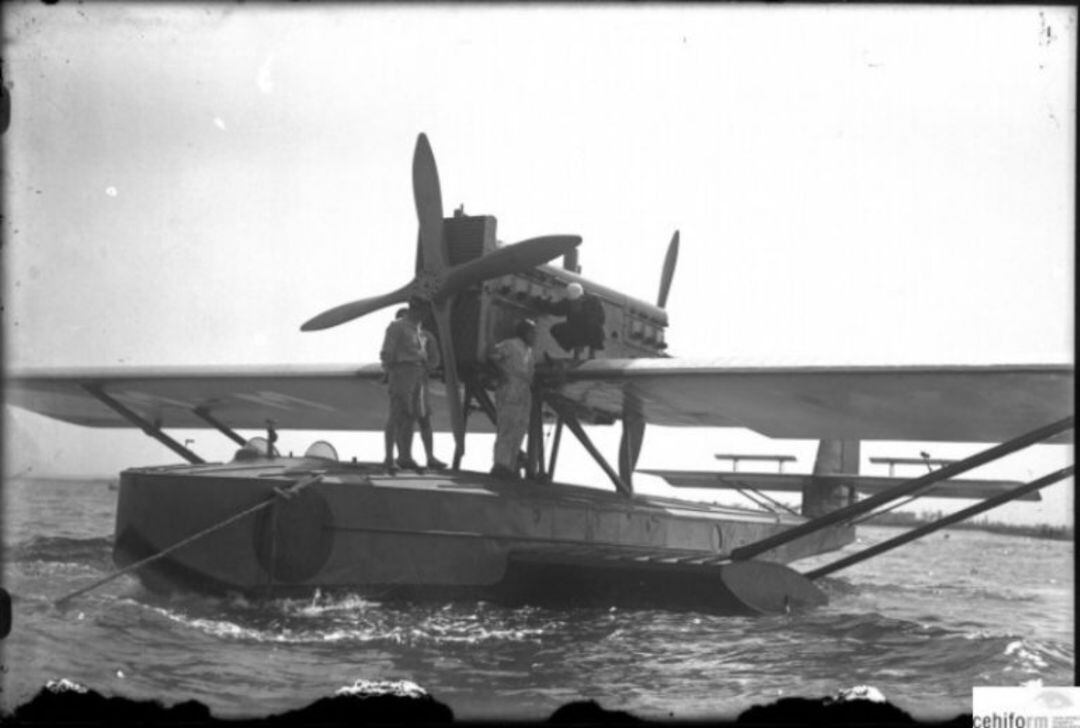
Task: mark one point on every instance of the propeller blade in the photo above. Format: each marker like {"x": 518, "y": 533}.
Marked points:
{"x": 356, "y": 309}
{"x": 633, "y": 435}
{"x": 669, "y": 270}
{"x": 428, "y": 200}
{"x": 506, "y": 260}
{"x": 441, "y": 313}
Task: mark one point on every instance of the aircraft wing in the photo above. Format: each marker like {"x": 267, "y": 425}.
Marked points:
{"x": 870, "y": 484}
{"x": 304, "y": 397}
{"x": 948, "y": 403}
{"x": 963, "y": 403}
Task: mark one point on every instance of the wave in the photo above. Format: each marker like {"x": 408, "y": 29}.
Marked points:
{"x": 881, "y": 644}
{"x": 842, "y": 588}
{"x": 92, "y": 551}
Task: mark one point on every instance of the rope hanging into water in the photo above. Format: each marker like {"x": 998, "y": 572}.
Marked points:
{"x": 278, "y": 493}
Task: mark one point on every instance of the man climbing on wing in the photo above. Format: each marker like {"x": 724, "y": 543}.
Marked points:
{"x": 405, "y": 361}
{"x": 584, "y": 324}
{"x": 513, "y": 397}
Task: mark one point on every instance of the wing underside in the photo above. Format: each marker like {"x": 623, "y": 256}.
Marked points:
{"x": 303, "y": 398}
{"x": 947, "y": 403}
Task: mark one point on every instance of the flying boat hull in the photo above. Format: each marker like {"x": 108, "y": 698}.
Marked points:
{"x": 444, "y": 535}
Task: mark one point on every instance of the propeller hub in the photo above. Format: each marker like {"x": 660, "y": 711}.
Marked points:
{"x": 428, "y": 284}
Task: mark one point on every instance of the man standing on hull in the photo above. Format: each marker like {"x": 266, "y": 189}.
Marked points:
{"x": 431, "y": 363}
{"x": 405, "y": 361}
{"x": 513, "y": 398}
{"x": 423, "y": 415}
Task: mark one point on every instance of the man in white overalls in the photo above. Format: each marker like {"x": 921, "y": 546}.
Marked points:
{"x": 513, "y": 398}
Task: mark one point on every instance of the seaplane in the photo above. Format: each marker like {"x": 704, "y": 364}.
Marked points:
{"x": 267, "y": 525}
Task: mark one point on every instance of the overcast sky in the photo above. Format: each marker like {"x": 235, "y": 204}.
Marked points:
{"x": 187, "y": 184}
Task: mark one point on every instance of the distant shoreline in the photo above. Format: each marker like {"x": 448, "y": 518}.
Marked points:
{"x": 1034, "y": 530}
{"x": 84, "y": 479}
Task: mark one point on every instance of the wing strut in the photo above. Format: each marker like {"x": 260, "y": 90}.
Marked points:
{"x": 555, "y": 441}
{"x": 942, "y": 522}
{"x": 770, "y": 588}
{"x": 150, "y": 428}
{"x": 534, "y": 468}
{"x": 572, "y": 422}
{"x": 768, "y": 503}
{"x": 220, "y": 426}
{"x": 908, "y": 488}
{"x": 474, "y": 391}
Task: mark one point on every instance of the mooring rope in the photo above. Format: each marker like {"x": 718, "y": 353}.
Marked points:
{"x": 278, "y": 493}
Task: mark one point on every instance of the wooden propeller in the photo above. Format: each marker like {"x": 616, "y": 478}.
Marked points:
{"x": 437, "y": 282}
{"x": 633, "y": 420}
{"x": 669, "y": 270}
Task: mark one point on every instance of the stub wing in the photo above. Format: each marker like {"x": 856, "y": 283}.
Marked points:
{"x": 796, "y": 483}
{"x": 300, "y": 397}
{"x": 965, "y": 403}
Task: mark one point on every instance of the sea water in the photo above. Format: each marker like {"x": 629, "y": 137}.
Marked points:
{"x": 922, "y": 624}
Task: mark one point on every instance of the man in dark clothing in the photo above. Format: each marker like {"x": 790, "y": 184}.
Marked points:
{"x": 584, "y": 324}
{"x": 404, "y": 357}
{"x": 423, "y": 417}
{"x": 423, "y": 414}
